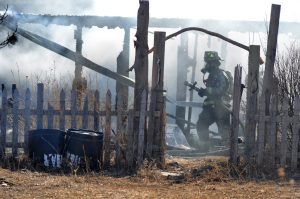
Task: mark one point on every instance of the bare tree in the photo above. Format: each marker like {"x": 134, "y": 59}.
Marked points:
{"x": 11, "y": 38}
{"x": 287, "y": 67}
{"x": 287, "y": 71}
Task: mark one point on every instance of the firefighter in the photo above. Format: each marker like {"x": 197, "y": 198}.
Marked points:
{"x": 216, "y": 106}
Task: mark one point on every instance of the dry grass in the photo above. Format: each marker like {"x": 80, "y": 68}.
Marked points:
{"x": 212, "y": 182}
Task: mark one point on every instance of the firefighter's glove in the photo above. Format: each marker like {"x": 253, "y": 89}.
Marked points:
{"x": 202, "y": 92}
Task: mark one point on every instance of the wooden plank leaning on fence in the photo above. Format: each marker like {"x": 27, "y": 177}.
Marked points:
{"x": 251, "y": 107}
{"x": 107, "y": 130}
{"x": 3, "y": 122}
{"x": 235, "y": 115}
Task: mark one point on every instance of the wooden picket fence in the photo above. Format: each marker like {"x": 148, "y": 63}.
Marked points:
{"x": 277, "y": 141}
{"x": 62, "y": 118}
{"x": 273, "y": 134}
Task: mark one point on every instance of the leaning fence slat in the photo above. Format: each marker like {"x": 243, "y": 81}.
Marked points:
{"x": 261, "y": 130}
{"x": 27, "y": 119}
{"x": 129, "y": 146}
{"x": 50, "y": 116}
{"x": 3, "y": 122}
{"x": 273, "y": 133}
{"x": 283, "y": 143}
{"x": 62, "y": 110}
{"x": 295, "y": 137}
{"x": 85, "y": 116}
{"x": 15, "y": 125}
{"x": 106, "y": 146}
{"x": 73, "y": 108}
{"x": 236, "y": 115}
{"x": 96, "y": 111}
{"x": 141, "y": 137}
{"x": 39, "y": 107}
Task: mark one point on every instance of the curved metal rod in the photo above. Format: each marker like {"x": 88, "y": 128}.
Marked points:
{"x": 207, "y": 32}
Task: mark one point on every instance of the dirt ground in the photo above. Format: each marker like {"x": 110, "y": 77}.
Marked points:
{"x": 197, "y": 178}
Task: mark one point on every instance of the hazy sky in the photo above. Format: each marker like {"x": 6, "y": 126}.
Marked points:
{"x": 212, "y": 9}
{"x": 201, "y": 9}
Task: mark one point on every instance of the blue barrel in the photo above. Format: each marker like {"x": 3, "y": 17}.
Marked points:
{"x": 45, "y": 147}
{"x": 84, "y": 148}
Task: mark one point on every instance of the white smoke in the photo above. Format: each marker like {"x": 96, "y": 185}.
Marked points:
{"x": 102, "y": 46}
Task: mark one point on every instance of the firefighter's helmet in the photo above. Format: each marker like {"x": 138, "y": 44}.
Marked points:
{"x": 211, "y": 56}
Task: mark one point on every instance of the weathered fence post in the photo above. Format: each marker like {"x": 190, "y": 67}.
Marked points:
{"x": 236, "y": 115}
{"x": 106, "y": 144}
{"x": 140, "y": 67}
{"x": 141, "y": 140}
{"x": 27, "y": 119}
{"x": 251, "y": 107}
{"x": 156, "y": 133}
{"x": 3, "y": 122}
{"x": 271, "y": 53}
{"x": 15, "y": 125}
{"x": 295, "y": 137}
{"x": 62, "y": 110}
{"x": 40, "y": 105}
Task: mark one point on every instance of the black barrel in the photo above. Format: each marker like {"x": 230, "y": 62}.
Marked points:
{"x": 84, "y": 148}
{"x": 45, "y": 147}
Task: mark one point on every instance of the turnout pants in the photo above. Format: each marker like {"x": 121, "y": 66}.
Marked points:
{"x": 209, "y": 115}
